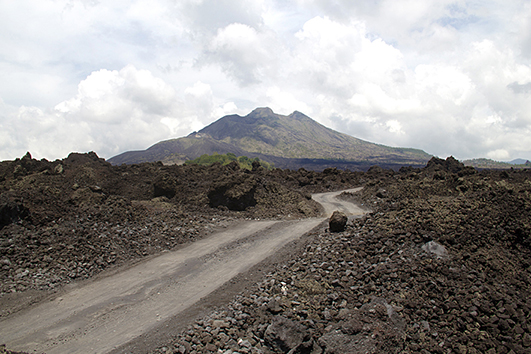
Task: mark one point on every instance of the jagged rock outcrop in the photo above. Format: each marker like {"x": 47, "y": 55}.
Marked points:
{"x": 235, "y": 192}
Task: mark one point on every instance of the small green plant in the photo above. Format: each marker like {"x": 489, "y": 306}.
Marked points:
{"x": 225, "y": 159}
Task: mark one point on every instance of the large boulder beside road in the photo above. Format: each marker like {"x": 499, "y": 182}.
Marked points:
{"x": 338, "y": 221}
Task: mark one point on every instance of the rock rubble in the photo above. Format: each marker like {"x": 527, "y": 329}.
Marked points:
{"x": 442, "y": 264}
{"x": 68, "y": 220}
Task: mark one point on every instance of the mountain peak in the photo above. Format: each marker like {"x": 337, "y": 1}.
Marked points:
{"x": 266, "y": 112}
{"x": 280, "y": 138}
{"x": 298, "y": 115}
{"x": 261, "y": 112}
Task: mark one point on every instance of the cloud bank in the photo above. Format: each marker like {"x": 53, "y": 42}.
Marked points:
{"x": 448, "y": 77}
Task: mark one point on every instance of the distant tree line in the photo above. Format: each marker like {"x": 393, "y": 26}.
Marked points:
{"x": 491, "y": 164}
{"x": 244, "y": 161}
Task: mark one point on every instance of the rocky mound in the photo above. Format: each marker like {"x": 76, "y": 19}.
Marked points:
{"x": 71, "y": 219}
{"x": 440, "y": 266}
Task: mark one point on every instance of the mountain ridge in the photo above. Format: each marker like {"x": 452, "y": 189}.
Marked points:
{"x": 290, "y": 141}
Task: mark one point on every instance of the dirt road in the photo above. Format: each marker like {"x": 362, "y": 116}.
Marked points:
{"x": 99, "y": 316}
{"x": 330, "y": 203}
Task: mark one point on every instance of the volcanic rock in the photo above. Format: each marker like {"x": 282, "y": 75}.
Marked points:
{"x": 474, "y": 300}
{"x": 338, "y": 221}
{"x": 284, "y": 334}
{"x": 234, "y": 192}
{"x": 12, "y": 209}
{"x": 165, "y": 185}
{"x": 435, "y": 248}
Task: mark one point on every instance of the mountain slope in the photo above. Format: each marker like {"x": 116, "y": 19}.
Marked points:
{"x": 297, "y": 136}
{"x": 176, "y": 151}
{"x": 286, "y": 141}
{"x": 518, "y": 162}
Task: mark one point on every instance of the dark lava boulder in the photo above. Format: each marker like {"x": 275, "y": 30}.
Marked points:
{"x": 338, "y": 221}
{"x": 165, "y": 185}
{"x": 449, "y": 165}
{"x": 11, "y": 210}
{"x": 284, "y": 334}
{"x": 78, "y": 159}
{"x": 371, "y": 329}
{"x": 236, "y": 192}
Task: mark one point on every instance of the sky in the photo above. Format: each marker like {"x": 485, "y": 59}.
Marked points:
{"x": 448, "y": 77}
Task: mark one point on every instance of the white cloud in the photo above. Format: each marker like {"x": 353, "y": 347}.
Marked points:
{"x": 245, "y": 54}
{"x": 446, "y": 83}
{"x": 499, "y": 155}
{"x": 394, "y": 126}
{"x": 450, "y": 77}
{"x": 113, "y": 111}
{"x": 325, "y": 54}
{"x": 227, "y": 108}
{"x": 115, "y": 97}
{"x": 55, "y": 44}
{"x": 522, "y": 19}
{"x": 429, "y": 105}
{"x": 200, "y": 107}
{"x": 283, "y": 102}
{"x": 200, "y": 98}
{"x": 207, "y": 16}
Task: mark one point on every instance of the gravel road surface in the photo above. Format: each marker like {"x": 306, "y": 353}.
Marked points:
{"x": 106, "y": 313}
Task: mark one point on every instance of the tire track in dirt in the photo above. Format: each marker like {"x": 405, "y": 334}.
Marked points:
{"x": 106, "y": 313}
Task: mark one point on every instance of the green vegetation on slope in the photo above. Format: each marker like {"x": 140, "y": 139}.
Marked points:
{"x": 491, "y": 164}
{"x": 244, "y": 161}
